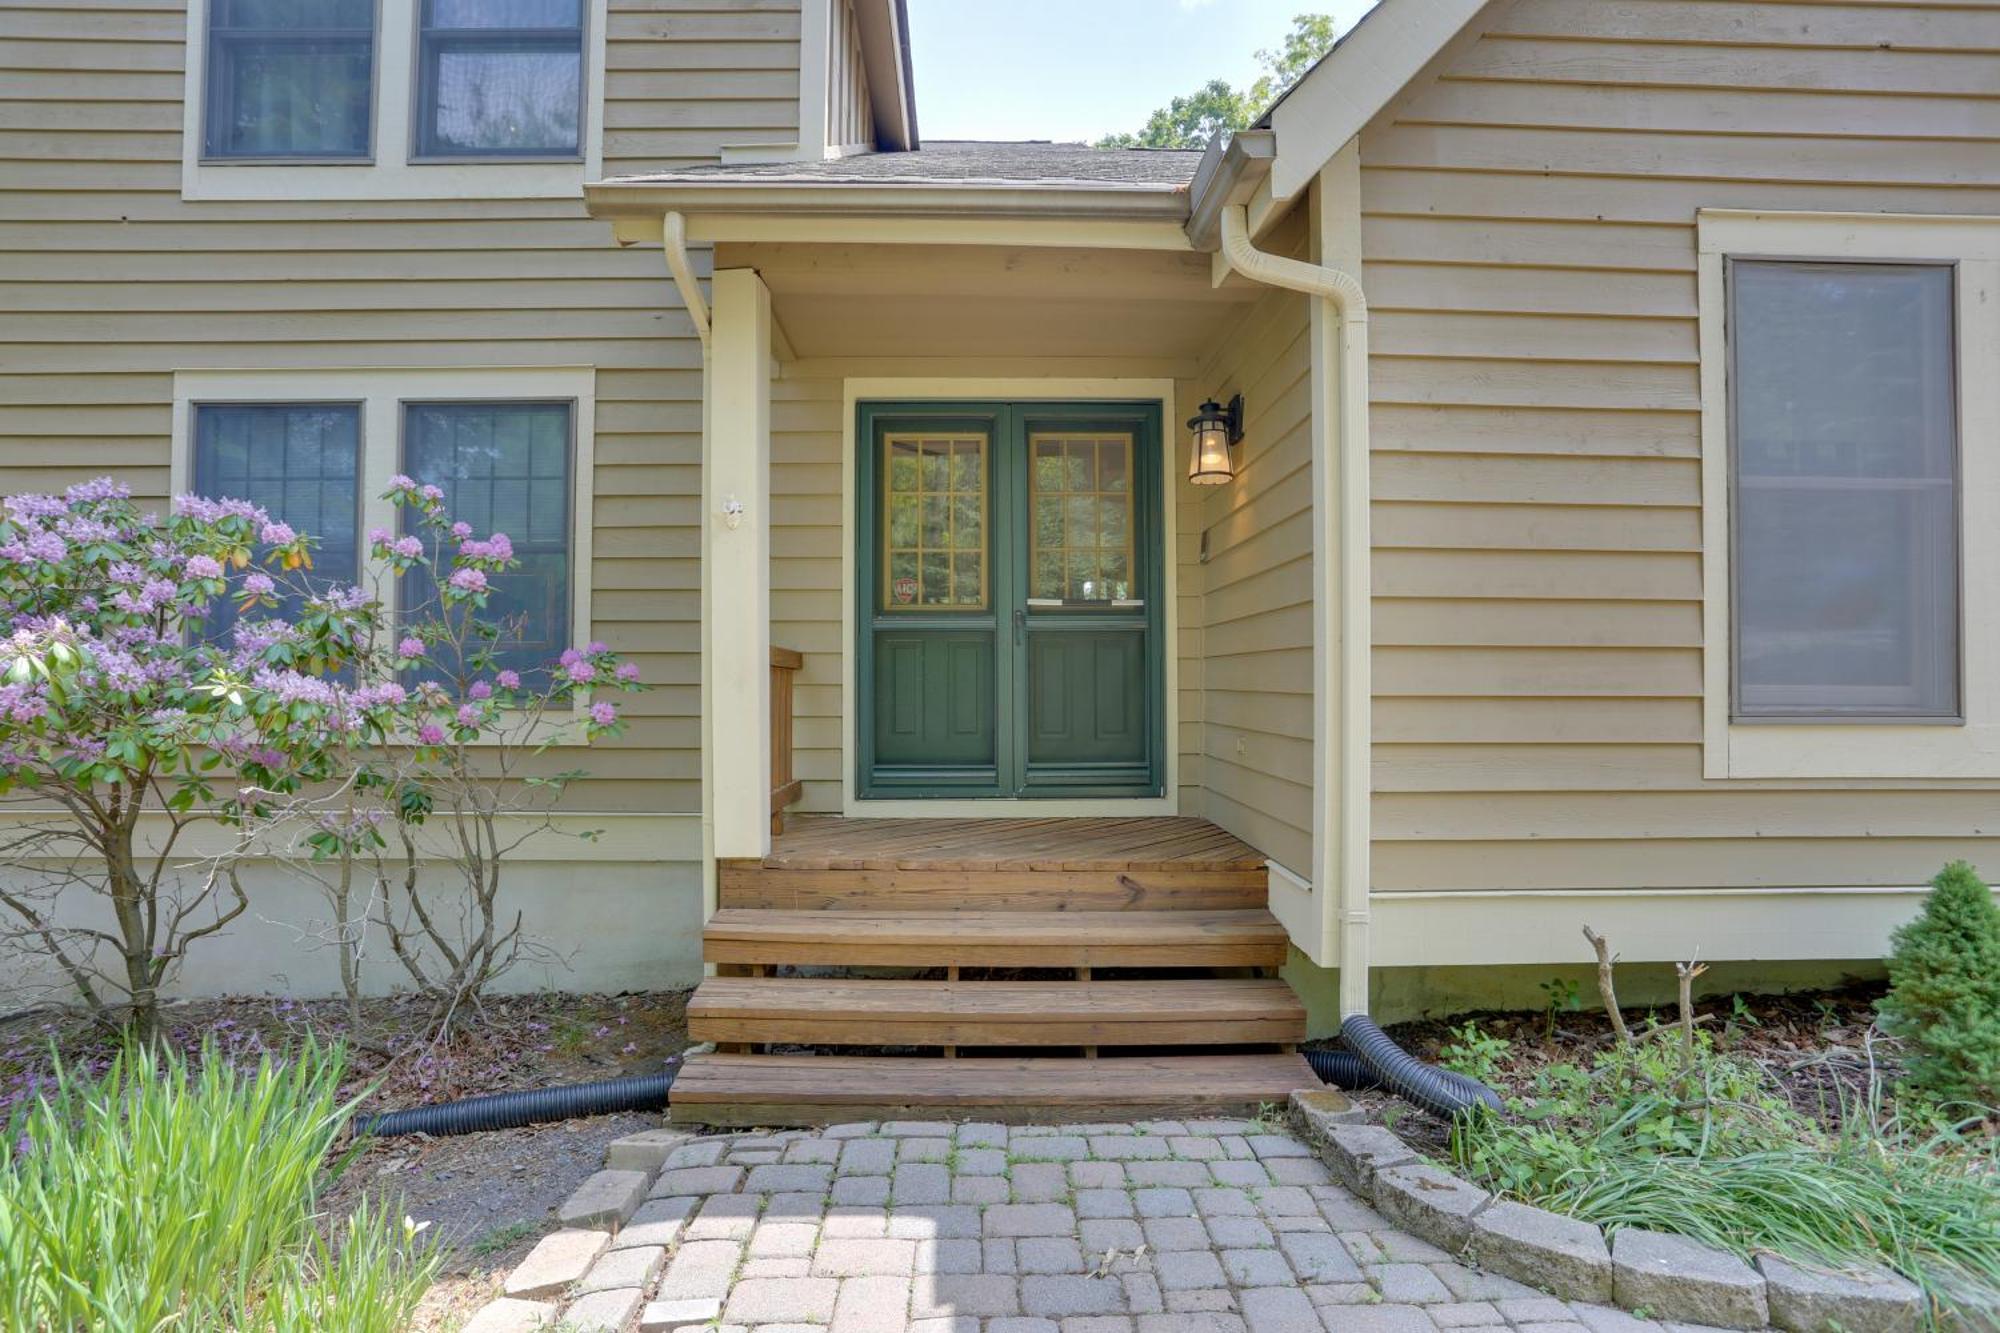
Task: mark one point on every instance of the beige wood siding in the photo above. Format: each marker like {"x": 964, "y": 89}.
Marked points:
{"x": 109, "y": 283}
{"x": 1256, "y": 656}
{"x": 850, "y": 117}
{"x": 1529, "y": 233}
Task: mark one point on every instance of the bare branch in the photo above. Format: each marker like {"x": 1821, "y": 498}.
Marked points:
{"x": 1606, "y": 961}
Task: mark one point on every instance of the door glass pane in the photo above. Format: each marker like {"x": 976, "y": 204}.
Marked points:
{"x": 1080, "y": 516}
{"x": 1846, "y": 495}
{"x": 935, "y": 530}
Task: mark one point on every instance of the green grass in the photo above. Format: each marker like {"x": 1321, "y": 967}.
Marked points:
{"x": 501, "y": 1239}
{"x": 163, "y": 1197}
{"x": 1705, "y": 1151}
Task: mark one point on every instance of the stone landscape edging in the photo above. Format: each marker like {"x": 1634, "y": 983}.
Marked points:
{"x": 1669, "y": 1277}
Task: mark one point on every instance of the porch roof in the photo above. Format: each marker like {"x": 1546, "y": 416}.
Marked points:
{"x": 963, "y": 161}
{"x": 942, "y": 178}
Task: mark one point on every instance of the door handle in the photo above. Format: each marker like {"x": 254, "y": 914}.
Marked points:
{"x": 1020, "y": 625}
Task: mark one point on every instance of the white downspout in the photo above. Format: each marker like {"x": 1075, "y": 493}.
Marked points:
{"x": 673, "y": 235}
{"x": 1344, "y": 861}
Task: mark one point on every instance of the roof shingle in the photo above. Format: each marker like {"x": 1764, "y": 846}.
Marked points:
{"x": 965, "y": 162}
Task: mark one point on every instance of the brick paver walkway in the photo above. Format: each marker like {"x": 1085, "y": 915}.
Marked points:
{"x": 1160, "y": 1227}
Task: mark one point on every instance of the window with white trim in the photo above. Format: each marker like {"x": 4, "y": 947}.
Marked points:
{"x": 1850, "y": 457}
{"x": 393, "y": 99}
{"x": 511, "y": 449}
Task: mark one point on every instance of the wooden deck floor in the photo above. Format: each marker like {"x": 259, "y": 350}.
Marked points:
{"x": 830, "y": 842}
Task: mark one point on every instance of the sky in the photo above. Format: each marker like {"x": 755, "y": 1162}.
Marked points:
{"x": 1081, "y": 69}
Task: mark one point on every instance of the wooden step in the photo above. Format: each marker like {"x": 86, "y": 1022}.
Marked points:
{"x": 995, "y": 1013}
{"x": 1244, "y": 937}
{"x": 718, "y": 1089}
{"x": 1001, "y": 888}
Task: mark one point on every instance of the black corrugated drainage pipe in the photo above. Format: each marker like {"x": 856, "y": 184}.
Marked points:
{"x": 1343, "y": 1069}
{"x": 1438, "y": 1091}
{"x": 533, "y": 1106}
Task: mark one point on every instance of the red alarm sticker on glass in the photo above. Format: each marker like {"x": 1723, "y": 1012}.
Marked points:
{"x": 904, "y": 590}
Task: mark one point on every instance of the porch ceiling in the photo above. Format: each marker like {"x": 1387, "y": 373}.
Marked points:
{"x": 991, "y": 301}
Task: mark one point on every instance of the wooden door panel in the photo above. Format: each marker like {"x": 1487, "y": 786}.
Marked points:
{"x": 1086, "y": 705}
{"x": 934, "y": 703}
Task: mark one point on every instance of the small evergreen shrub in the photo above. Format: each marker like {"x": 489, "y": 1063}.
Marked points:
{"x": 1944, "y": 991}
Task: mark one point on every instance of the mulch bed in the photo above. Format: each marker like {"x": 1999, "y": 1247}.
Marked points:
{"x": 1818, "y": 1047}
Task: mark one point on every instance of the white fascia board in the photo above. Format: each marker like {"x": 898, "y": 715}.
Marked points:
{"x": 1349, "y": 88}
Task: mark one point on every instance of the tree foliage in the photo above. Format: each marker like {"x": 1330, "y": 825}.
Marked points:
{"x": 1944, "y": 991}
{"x": 127, "y": 719}
{"x": 1192, "y": 120}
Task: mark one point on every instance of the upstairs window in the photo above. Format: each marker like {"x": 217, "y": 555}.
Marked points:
{"x": 1844, "y": 455}
{"x": 290, "y": 79}
{"x": 500, "y": 78}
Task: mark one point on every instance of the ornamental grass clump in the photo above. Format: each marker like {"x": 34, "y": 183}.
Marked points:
{"x": 170, "y": 1194}
{"x": 1664, "y": 1131}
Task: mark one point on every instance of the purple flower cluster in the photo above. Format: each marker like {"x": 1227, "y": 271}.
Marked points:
{"x": 28, "y": 508}
{"x": 97, "y": 491}
{"x": 23, "y": 704}
{"x": 40, "y": 545}
{"x": 150, "y": 596}
{"x": 296, "y": 687}
{"x": 204, "y": 510}
{"x": 498, "y": 548}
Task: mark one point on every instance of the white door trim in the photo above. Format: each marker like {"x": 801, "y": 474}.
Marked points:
{"x": 1162, "y": 391}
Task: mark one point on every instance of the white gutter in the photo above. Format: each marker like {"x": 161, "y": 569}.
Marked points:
{"x": 1340, "y": 501}
{"x": 673, "y": 234}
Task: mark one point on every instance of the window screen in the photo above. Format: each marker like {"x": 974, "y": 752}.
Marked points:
{"x": 1845, "y": 465}
{"x": 290, "y": 78}
{"x": 500, "y": 78}
{"x": 301, "y": 462}
{"x": 504, "y": 467}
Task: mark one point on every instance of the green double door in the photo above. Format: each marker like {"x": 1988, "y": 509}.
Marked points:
{"x": 1009, "y": 600}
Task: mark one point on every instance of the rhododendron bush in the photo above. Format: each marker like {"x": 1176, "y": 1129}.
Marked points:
{"x": 320, "y": 724}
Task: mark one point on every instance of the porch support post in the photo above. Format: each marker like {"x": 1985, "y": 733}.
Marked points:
{"x": 736, "y": 567}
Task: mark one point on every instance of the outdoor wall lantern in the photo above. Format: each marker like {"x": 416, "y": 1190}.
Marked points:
{"x": 1215, "y": 429}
